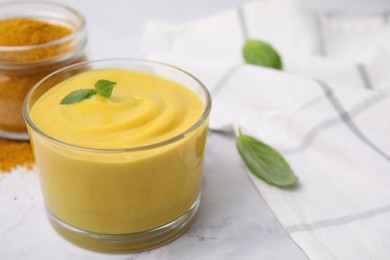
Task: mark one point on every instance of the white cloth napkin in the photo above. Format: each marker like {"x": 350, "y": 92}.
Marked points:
{"x": 327, "y": 112}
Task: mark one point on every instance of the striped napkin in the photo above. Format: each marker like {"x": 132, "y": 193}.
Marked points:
{"x": 327, "y": 113}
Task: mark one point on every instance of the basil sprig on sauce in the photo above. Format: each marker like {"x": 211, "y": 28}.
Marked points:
{"x": 261, "y": 53}
{"x": 264, "y": 162}
{"x": 103, "y": 88}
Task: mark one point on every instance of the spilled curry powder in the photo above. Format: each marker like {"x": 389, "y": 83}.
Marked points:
{"x": 14, "y": 153}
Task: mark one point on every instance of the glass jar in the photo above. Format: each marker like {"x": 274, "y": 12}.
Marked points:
{"x": 21, "y": 67}
{"x": 122, "y": 199}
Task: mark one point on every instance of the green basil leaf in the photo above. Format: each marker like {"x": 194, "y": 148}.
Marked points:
{"x": 77, "y": 96}
{"x": 264, "y": 162}
{"x": 261, "y": 53}
{"x": 104, "y": 87}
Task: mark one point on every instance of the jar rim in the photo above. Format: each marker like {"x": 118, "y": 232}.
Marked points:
{"x": 203, "y": 118}
{"x": 80, "y": 17}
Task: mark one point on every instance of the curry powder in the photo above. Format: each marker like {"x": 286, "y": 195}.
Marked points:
{"x": 25, "y": 32}
{"x": 20, "y": 70}
{"x": 14, "y": 153}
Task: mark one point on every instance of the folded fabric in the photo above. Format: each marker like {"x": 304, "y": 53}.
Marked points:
{"x": 326, "y": 113}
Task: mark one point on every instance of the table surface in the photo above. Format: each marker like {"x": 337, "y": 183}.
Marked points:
{"x": 234, "y": 222}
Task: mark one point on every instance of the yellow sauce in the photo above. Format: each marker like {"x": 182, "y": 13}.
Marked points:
{"x": 121, "y": 191}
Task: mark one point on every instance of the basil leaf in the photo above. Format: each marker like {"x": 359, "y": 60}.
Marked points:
{"x": 261, "y": 53}
{"x": 77, "y": 96}
{"x": 264, "y": 162}
{"x": 104, "y": 87}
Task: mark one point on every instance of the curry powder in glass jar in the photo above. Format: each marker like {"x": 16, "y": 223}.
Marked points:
{"x": 36, "y": 38}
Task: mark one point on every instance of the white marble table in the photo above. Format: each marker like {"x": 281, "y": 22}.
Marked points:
{"x": 233, "y": 222}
